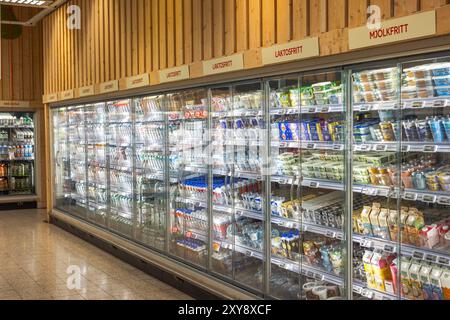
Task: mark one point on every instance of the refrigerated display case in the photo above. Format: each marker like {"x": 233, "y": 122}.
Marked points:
{"x": 17, "y": 154}
{"x": 317, "y": 185}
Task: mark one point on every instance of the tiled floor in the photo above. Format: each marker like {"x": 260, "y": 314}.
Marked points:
{"x": 35, "y": 257}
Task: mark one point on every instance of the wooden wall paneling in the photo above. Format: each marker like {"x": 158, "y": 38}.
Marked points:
{"x": 242, "y": 25}
{"x": 432, "y": 4}
{"x": 187, "y": 30}
{"x": 337, "y": 17}
{"x": 386, "y": 6}
{"x": 207, "y": 29}
{"x": 123, "y": 33}
{"x": 38, "y": 61}
{"x": 116, "y": 39}
{"x": 405, "y": 7}
{"x": 283, "y": 21}
{"x": 128, "y": 38}
{"x": 179, "y": 33}
{"x": 62, "y": 52}
{"x": 357, "y": 12}
{"x": 28, "y": 63}
{"x": 268, "y": 23}
{"x": 6, "y": 70}
{"x": 155, "y": 32}
{"x": 134, "y": 38}
{"x": 16, "y": 53}
{"x": 107, "y": 40}
{"x": 170, "y": 33}
{"x": 254, "y": 24}
{"x": 148, "y": 35}
{"x": 162, "y": 35}
{"x": 95, "y": 36}
{"x": 218, "y": 27}
{"x": 300, "y": 19}
{"x": 230, "y": 27}
{"x": 318, "y": 12}
{"x": 197, "y": 13}
{"x": 141, "y": 36}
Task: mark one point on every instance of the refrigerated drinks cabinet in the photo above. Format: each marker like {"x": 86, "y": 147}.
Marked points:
{"x": 326, "y": 184}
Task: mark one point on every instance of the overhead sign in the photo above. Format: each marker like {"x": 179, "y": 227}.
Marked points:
{"x": 393, "y": 30}
{"x": 295, "y": 50}
{"x": 15, "y": 104}
{"x": 225, "y": 64}
{"x": 174, "y": 74}
{"x": 66, "y": 95}
{"x": 137, "y": 81}
{"x": 52, "y": 98}
{"x": 109, "y": 86}
{"x": 86, "y": 91}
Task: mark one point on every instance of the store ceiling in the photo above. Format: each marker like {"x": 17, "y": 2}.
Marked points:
{"x": 28, "y": 3}
{"x": 43, "y": 7}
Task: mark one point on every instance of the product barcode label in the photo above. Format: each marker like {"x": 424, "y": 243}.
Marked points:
{"x": 417, "y": 255}
{"x": 431, "y": 149}
{"x": 444, "y": 260}
{"x": 389, "y": 248}
{"x": 380, "y": 147}
{"x": 430, "y": 257}
{"x": 410, "y": 196}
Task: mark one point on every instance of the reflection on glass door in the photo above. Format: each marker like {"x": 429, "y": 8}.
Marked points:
{"x": 377, "y": 213}
{"x": 61, "y": 166}
{"x": 308, "y": 187}
{"x": 424, "y": 257}
{"x": 97, "y": 192}
{"x": 150, "y": 144}
{"x": 121, "y": 161}
{"x": 77, "y": 159}
{"x": 188, "y": 162}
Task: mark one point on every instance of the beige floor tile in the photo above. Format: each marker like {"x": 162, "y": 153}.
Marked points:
{"x": 35, "y": 256}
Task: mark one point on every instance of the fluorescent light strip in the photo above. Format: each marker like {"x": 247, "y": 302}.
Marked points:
{"x": 34, "y": 3}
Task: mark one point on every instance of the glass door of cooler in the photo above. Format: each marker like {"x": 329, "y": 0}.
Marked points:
{"x": 97, "y": 187}
{"x": 308, "y": 187}
{"x": 151, "y": 155}
{"x": 378, "y": 214}
{"x": 424, "y": 256}
{"x": 77, "y": 160}
{"x": 237, "y": 161}
{"x": 122, "y": 198}
{"x": 188, "y": 142}
{"x": 61, "y": 162}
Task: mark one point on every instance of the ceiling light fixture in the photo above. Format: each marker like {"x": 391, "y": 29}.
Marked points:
{"x": 27, "y": 3}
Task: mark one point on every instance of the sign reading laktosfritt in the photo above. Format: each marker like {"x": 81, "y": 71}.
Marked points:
{"x": 174, "y": 74}
{"x": 294, "y": 50}
{"x": 411, "y": 27}
{"x": 225, "y": 64}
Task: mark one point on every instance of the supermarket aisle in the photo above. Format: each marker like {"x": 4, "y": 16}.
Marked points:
{"x": 34, "y": 257}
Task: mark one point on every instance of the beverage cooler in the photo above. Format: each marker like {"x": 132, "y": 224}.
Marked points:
{"x": 17, "y": 150}
{"x": 326, "y": 184}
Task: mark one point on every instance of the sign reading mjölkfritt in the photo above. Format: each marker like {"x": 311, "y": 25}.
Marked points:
{"x": 225, "y": 64}
{"x": 174, "y": 74}
{"x": 294, "y": 50}
{"x": 393, "y": 30}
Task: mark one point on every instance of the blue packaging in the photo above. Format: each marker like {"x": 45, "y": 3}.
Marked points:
{"x": 442, "y": 81}
{"x": 285, "y": 131}
{"x": 437, "y": 130}
{"x": 312, "y": 129}
{"x": 442, "y": 91}
{"x": 325, "y": 131}
{"x": 304, "y": 134}
{"x": 443, "y": 71}
{"x": 446, "y": 124}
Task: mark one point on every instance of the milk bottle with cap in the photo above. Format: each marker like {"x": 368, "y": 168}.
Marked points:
{"x": 425, "y": 272}
{"x": 436, "y": 285}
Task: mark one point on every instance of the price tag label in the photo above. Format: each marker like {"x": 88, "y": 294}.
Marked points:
{"x": 429, "y": 198}
{"x": 410, "y": 196}
{"x": 310, "y": 274}
{"x": 417, "y": 255}
{"x": 365, "y": 107}
{"x": 431, "y": 258}
{"x": 311, "y": 146}
{"x": 366, "y": 243}
{"x": 444, "y": 200}
{"x": 239, "y": 212}
{"x": 303, "y": 272}
{"x": 439, "y": 103}
{"x": 324, "y": 109}
{"x": 430, "y": 149}
{"x": 380, "y": 147}
{"x": 337, "y": 147}
{"x": 369, "y": 191}
{"x": 311, "y": 110}
{"x": 283, "y": 144}
{"x": 330, "y": 234}
{"x": 358, "y": 290}
{"x": 444, "y": 260}
{"x": 282, "y": 265}
{"x": 314, "y": 184}
{"x": 249, "y": 253}
{"x": 319, "y": 277}
{"x": 292, "y": 111}
{"x": 389, "y": 248}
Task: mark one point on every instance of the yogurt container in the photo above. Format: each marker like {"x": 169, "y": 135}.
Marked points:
{"x": 441, "y": 81}
{"x": 443, "y": 91}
